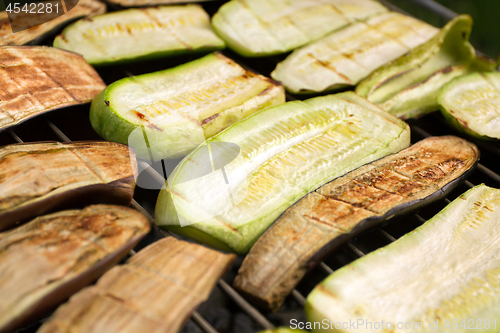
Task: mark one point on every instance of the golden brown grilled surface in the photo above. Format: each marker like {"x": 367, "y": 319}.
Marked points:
{"x": 36, "y": 178}
{"x": 139, "y": 3}
{"x": 84, "y": 8}
{"x": 325, "y": 218}
{"x": 155, "y": 291}
{"x": 45, "y": 261}
{"x": 37, "y": 79}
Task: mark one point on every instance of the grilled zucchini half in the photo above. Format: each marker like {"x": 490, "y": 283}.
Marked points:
{"x": 442, "y": 275}
{"x": 141, "y": 3}
{"x": 255, "y": 28}
{"x": 408, "y": 87}
{"x": 472, "y": 104}
{"x": 277, "y": 156}
{"x": 175, "y": 110}
{"x": 348, "y": 55}
{"x": 139, "y": 34}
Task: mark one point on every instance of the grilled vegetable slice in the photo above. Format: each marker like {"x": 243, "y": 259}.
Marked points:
{"x": 138, "y": 34}
{"x": 37, "y": 178}
{"x": 155, "y": 291}
{"x": 346, "y": 56}
{"x": 256, "y": 28}
{"x": 84, "y": 8}
{"x": 139, "y": 3}
{"x": 45, "y": 261}
{"x": 284, "y": 152}
{"x": 323, "y": 220}
{"x": 472, "y": 104}
{"x": 197, "y": 100}
{"x": 408, "y": 87}
{"x": 445, "y": 270}
{"x": 41, "y": 79}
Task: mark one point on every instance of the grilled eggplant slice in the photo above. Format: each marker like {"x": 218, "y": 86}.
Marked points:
{"x": 444, "y": 272}
{"x": 198, "y": 100}
{"x": 139, "y": 34}
{"x": 255, "y": 28}
{"x": 37, "y": 178}
{"x": 155, "y": 291}
{"x": 140, "y": 3}
{"x": 37, "y": 79}
{"x": 346, "y": 56}
{"x": 472, "y": 104}
{"x": 84, "y": 8}
{"x": 408, "y": 87}
{"x": 45, "y": 261}
{"x": 323, "y": 220}
{"x": 283, "y": 153}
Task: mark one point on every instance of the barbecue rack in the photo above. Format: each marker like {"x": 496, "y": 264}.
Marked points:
{"x": 226, "y": 310}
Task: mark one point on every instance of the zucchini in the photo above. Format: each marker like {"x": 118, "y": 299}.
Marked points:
{"x": 284, "y": 152}
{"x": 140, "y": 3}
{"x": 472, "y": 104}
{"x": 325, "y": 219}
{"x": 154, "y": 291}
{"x": 196, "y": 101}
{"x": 45, "y": 261}
{"x": 139, "y": 34}
{"x": 42, "y": 79}
{"x": 255, "y": 28}
{"x": 346, "y": 56}
{"x": 408, "y": 87}
{"x": 443, "y": 273}
{"x": 37, "y": 178}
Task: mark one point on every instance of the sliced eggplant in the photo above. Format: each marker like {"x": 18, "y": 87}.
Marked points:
{"x": 84, "y": 8}
{"x": 37, "y": 178}
{"x": 37, "y": 79}
{"x": 139, "y": 34}
{"x": 196, "y": 101}
{"x": 45, "y": 261}
{"x": 155, "y": 291}
{"x": 472, "y": 104}
{"x": 408, "y": 87}
{"x": 325, "y": 219}
{"x": 348, "y": 55}
{"x": 255, "y": 28}
{"x": 442, "y": 275}
{"x": 140, "y": 3}
{"x": 277, "y": 156}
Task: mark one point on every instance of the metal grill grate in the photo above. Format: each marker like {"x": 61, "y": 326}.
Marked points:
{"x": 72, "y": 123}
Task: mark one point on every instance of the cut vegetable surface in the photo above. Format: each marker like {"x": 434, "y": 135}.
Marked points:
{"x": 472, "y": 104}
{"x": 408, "y": 87}
{"x": 37, "y": 178}
{"x": 265, "y": 27}
{"x": 177, "y": 109}
{"x": 140, "y": 3}
{"x": 348, "y": 55}
{"x": 137, "y": 34}
{"x": 155, "y": 291}
{"x": 37, "y": 79}
{"x": 328, "y": 217}
{"x": 282, "y": 153}
{"x": 45, "y": 261}
{"x": 444, "y": 272}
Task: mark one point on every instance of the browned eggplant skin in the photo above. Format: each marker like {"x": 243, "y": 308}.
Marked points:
{"x": 155, "y": 291}
{"x": 326, "y": 218}
{"x": 105, "y": 171}
{"x": 45, "y": 261}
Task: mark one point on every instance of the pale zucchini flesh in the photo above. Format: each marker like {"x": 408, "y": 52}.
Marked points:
{"x": 348, "y": 55}
{"x": 284, "y": 152}
{"x": 265, "y": 27}
{"x": 137, "y": 34}
{"x": 472, "y": 104}
{"x": 177, "y": 109}
{"x": 140, "y": 3}
{"x": 446, "y": 271}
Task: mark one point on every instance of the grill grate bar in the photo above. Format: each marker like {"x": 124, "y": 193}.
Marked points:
{"x": 386, "y": 235}
{"x": 202, "y": 323}
{"x": 299, "y": 297}
{"x": 356, "y": 251}
{"x": 16, "y": 137}
{"x": 437, "y": 8}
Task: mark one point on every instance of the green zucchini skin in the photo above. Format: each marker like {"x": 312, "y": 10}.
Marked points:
{"x": 140, "y": 34}
{"x": 444, "y": 270}
{"x": 150, "y": 105}
{"x": 471, "y": 103}
{"x": 305, "y": 143}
